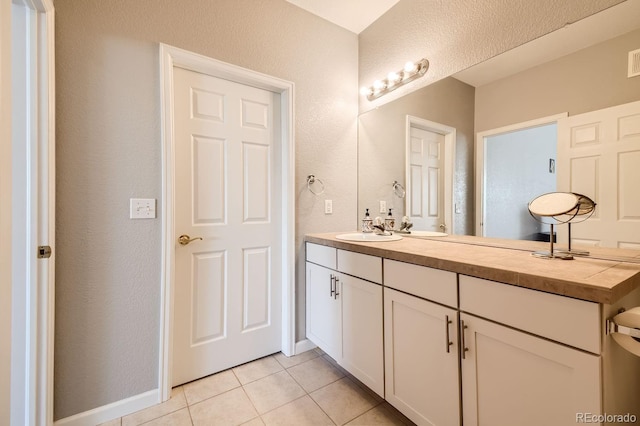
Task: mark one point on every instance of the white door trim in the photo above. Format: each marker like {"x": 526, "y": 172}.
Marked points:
{"x": 171, "y": 57}
{"x": 33, "y": 287}
{"x": 449, "y": 164}
{"x": 480, "y": 153}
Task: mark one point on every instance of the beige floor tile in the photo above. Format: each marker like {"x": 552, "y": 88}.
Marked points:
{"x": 228, "y": 409}
{"x": 177, "y": 418}
{"x": 290, "y": 361}
{"x": 335, "y": 364}
{"x": 379, "y": 415}
{"x": 114, "y": 422}
{"x": 315, "y": 373}
{"x": 273, "y": 391}
{"x": 343, "y": 400}
{"x": 210, "y": 386}
{"x": 257, "y": 369}
{"x": 301, "y": 412}
{"x": 175, "y": 403}
{"x": 254, "y": 422}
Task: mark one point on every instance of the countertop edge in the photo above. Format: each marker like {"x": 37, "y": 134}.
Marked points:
{"x": 575, "y": 289}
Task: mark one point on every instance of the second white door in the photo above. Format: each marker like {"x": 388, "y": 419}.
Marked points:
{"x": 426, "y": 183}
{"x": 227, "y": 301}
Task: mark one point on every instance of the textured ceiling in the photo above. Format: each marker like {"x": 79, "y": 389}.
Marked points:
{"x": 456, "y": 34}
{"x": 354, "y": 15}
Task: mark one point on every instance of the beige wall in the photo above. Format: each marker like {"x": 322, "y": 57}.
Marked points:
{"x": 588, "y": 80}
{"x": 5, "y": 211}
{"x": 455, "y": 35}
{"x": 381, "y": 150}
{"x": 108, "y": 150}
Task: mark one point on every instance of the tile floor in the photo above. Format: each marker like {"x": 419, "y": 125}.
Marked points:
{"x": 307, "y": 389}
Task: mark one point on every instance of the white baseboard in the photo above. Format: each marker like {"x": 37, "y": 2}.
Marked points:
{"x": 304, "y": 345}
{"x": 112, "y": 411}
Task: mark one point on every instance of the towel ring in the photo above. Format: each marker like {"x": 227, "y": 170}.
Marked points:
{"x": 311, "y": 179}
{"x": 398, "y": 189}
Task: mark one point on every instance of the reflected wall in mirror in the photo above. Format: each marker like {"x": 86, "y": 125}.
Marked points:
{"x": 592, "y": 78}
{"x": 382, "y": 152}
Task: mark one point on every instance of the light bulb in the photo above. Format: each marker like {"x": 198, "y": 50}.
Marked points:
{"x": 393, "y": 77}
{"x": 365, "y": 91}
{"x": 409, "y": 68}
{"x": 378, "y": 85}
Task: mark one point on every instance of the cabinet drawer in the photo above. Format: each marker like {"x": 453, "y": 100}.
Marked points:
{"x": 566, "y": 320}
{"x": 360, "y": 265}
{"x": 427, "y": 283}
{"x": 322, "y": 255}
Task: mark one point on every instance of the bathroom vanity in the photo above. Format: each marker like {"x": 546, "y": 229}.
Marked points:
{"x": 475, "y": 331}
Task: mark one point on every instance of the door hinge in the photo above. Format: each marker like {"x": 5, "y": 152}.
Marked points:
{"x": 44, "y": 252}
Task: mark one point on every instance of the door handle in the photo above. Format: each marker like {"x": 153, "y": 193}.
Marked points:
{"x": 184, "y": 239}
{"x": 443, "y": 227}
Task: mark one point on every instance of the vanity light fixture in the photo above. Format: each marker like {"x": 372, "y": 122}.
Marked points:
{"x": 410, "y": 72}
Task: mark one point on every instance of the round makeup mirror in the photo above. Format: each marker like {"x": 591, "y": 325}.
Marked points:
{"x": 558, "y": 208}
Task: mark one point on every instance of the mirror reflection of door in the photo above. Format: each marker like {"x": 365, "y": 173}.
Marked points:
{"x": 518, "y": 166}
{"x": 429, "y": 171}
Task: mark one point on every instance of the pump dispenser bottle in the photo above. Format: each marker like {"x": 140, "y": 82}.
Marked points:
{"x": 367, "y": 222}
{"x": 389, "y": 222}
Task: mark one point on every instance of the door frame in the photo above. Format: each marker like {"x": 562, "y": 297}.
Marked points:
{"x": 33, "y": 279}
{"x": 480, "y": 153}
{"x": 171, "y": 57}
{"x": 449, "y": 134}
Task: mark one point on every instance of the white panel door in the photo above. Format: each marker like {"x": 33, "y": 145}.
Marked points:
{"x": 227, "y": 285}
{"x": 426, "y": 174}
{"x": 513, "y": 378}
{"x": 599, "y": 156}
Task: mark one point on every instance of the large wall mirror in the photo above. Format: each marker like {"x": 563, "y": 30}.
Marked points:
{"x": 573, "y": 70}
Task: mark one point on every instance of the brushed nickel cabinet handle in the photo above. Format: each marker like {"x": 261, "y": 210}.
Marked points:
{"x": 446, "y": 326}
{"x": 335, "y": 293}
{"x": 332, "y": 283}
{"x": 463, "y": 327}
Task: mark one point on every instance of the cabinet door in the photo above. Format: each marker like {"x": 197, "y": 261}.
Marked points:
{"x": 324, "y": 322}
{"x": 509, "y": 377}
{"x": 421, "y": 359}
{"x": 362, "y": 347}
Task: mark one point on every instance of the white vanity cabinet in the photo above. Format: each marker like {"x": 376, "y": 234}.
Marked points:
{"x": 512, "y": 377}
{"x": 421, "y": 343}
{"x": 344, "y": 310}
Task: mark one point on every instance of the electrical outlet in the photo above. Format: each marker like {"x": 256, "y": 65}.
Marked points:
{"x": 142, "y": 208}
{"x": 328, "y": 207}
{"x": 383, "y": 206}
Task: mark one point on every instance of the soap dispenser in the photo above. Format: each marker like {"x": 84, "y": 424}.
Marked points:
{"x": 389, "y": 222}
{"x": 367, "y": 222}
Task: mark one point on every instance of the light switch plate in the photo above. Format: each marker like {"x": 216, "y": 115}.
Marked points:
{"x": 328, "y": 207}
{"x": 142, "y": 208}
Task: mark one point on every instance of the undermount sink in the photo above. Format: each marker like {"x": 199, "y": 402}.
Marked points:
{"x": 368, "y": 237}
{"x": 427, "y": 234}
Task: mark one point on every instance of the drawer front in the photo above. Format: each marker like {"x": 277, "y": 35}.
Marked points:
{"x": 360, "y": 265}
{"x": 322, "y": 255}
{"x": 427, "y": 283}
{"x": 570, "y": 321}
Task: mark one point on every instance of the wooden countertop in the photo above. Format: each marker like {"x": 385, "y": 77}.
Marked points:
{"x": 604, "y": 277}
